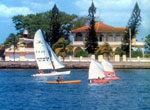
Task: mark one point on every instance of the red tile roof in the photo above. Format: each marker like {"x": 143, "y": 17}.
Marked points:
{"x": 100, "y": 27}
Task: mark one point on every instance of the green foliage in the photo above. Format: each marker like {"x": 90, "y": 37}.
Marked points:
{"x": 49, "y": 22}
{"x": 92, "y": 41}
{"x": 62, "y": 48}
{"x": 81, "y": 53}
{"x": 147, "y": 55}
{"x": 133, "y": 24}
{"x": 120, "y": 52}
{"x": 135, "y": 20}
{"x": 2, "y": 50}
{"x": 147, "y": 43}
{"x": 137, "y": 53}
{"x": 80, "y": 21}
{"x": 12, "y": 40}
{"x": 105, "y": 50}
{"x": 55, "y": 26}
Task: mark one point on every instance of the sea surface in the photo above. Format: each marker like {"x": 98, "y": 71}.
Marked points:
{"x": 20, "y": 91}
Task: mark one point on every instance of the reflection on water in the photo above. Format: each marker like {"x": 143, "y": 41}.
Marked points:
{"x": 19, "y": 90}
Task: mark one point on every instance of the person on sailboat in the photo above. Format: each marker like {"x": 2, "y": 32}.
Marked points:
{"x": 58, "y": 79}
{"x": 41, "y": 71}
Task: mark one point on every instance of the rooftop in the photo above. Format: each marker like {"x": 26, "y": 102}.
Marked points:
{"x": 100, "y": 27}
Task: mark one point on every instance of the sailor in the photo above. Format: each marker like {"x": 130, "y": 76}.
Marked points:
{"x": 58, "y": 79}
{"x": 41, "y": 71}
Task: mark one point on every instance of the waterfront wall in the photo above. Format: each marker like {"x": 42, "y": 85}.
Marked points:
{"x": 73, "y": 65}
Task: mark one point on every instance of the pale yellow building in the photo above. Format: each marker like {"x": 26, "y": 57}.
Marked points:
{"x": 105, "y": 33}
{"x": 24, "y": 52}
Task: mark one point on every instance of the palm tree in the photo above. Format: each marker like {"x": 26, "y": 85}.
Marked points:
{"x": 13, "y": 42}
{"x": 62, "y": 47}
{"x": 105, "y": 50}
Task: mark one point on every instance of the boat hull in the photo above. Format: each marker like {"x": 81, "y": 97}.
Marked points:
{"x": 52, "y": 74}
{"x": 99, "y": 81}
{"x": 63, "y": 82}
{"x": 112, "y": 78}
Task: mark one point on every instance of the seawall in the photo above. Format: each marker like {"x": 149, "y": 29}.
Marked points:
{"x": 73, "y": 65}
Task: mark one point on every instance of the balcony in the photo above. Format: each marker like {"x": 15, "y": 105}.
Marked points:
{"x": 81, "y": 43}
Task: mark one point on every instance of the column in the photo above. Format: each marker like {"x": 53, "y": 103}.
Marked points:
{"x": 143, "y": 51}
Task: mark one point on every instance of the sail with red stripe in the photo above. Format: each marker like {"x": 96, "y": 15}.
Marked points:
{"x": 108, "y": 68}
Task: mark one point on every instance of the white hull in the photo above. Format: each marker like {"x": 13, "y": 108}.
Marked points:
{"x": 53, "y": 73}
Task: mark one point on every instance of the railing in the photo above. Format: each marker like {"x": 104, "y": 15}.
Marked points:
{"x": 111, "y": 43}
{"x": 116, "y": 58}
{"x": 29, "y": 49}
{"x": 138, "y": 59}
{"x": 76, "y": 59}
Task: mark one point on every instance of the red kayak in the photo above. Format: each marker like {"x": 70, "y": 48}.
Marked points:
{"x": 99, "y": 81}
{"x": 112, "y": 78}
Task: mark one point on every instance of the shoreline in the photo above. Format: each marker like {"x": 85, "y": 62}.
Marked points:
{"x": 72, "y": 65}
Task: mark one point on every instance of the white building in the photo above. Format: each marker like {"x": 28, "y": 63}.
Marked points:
{"x": 105, "y": 33}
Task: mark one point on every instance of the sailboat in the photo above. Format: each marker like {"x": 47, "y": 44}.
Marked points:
{"x": 96, "y": 73}
{"x": 45, "y": 57}
{"x": 108, "y": 70}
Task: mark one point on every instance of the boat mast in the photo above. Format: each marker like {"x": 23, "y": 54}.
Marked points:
{"x": 50, "y": 57}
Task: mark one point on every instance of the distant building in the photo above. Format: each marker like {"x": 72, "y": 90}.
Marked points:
{"x": 24, "y": 52}
{"x": 105, "y": 33}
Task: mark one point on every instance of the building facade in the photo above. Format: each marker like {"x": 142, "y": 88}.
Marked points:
{"x": 105, "y": 33}
{"x": 24, "y": 51}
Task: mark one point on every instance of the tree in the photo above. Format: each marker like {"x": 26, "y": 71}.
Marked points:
{"x": 62, "y": 47}
{"x": 54, "y": 26}
{"x": 119, "y": 51}
{"x": 81, "y": 53}
{"x": 147, "y": 43}
{"x": 137, "y": 53}
{"x": 33, "y": 22}
{"x": 133, "y": 24}
{"x": 105, "y": 50}
{"x": 80, "y": 21}
{"x": 12, "y": 40}
{"x": 91, "y": 43}
{"x": 14, "y": 43}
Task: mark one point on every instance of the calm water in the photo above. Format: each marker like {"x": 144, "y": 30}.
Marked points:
{"x": 20, "y": 91}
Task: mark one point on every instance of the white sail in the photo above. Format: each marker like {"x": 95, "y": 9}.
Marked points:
{"x": 56, "y": 62}
{"x": 96, "y": 70}
{"x": 41, "y": 52}
{"x": 107, "y": 66}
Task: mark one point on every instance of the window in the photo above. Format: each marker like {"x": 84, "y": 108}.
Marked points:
{"x": 78, "y": 37}
{"x": 101, "y": 38}
{"x": 110, "y": 39}
{"x": 118, "y": 38}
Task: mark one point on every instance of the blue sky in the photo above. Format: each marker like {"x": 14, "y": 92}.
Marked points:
{"x": 111, "y": 12}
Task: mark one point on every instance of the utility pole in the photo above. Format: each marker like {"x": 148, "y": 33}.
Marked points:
{"x": 130, "y": 43}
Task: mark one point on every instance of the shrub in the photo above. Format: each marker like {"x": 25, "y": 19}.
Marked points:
{"x": 147, "y": 55}
{"x": 137, "y": 53}
{"x": 120, "y": 52}
{"x": 81, "y": 53}
{"x": 105, "y": 50}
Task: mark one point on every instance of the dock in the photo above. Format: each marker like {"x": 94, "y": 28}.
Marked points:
{"x": 72, "y": 65}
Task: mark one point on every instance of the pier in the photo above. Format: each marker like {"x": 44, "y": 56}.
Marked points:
{"x": 72, "y": 65}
